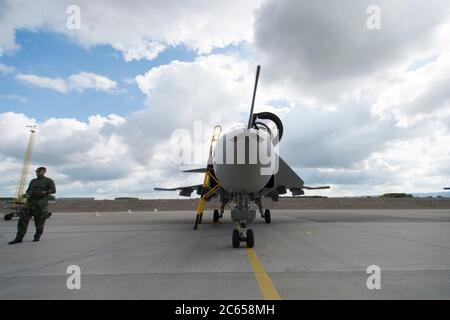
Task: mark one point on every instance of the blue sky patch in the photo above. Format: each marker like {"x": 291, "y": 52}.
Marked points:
{"x": 53, "y": 55}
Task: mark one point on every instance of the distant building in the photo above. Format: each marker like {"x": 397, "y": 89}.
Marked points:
{"x": 6, "y": 198}
{"x": 75, "y": 199}
{"x": 397, "y": 195}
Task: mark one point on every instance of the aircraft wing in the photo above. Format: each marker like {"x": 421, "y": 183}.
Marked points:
{"x": 316, "y": 188}
{"x": 286, "y": 178}
{"x": 199, "y": 170}
{"x": 184, "y": 191}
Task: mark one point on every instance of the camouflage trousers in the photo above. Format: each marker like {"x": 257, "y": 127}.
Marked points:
{"x": 39, "y": 215}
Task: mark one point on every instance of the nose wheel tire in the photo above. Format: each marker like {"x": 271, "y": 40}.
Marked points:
{"x": 216, "y": 216}
{"x": 236, "y": 238}
{"x": 267, "y": 216}
{"x": 250, "y": 238}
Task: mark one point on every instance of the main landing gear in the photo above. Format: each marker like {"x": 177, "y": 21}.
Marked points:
{"x": 264, "y": 213}
{"x": 218, "y": 214}
{"x": 266, "y": 216}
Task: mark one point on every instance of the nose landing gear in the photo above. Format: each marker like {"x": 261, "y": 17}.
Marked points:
{"x": 243, "y": 234}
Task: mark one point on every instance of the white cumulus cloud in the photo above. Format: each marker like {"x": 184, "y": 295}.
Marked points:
{"x": 6, "y": 69}
{"x": 87, "y": 80}
{"x": 57, "y": 84}
{"x": 139, "y": 29}
{"x": 79, "y": 82}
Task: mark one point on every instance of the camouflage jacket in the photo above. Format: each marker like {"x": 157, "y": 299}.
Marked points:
{"x": 38, "y": 191}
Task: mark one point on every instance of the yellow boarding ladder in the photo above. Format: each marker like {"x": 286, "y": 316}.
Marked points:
{"x": 207, "y": 191}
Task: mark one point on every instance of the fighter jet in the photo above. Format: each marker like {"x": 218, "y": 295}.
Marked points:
{"x": 243, "y": 167}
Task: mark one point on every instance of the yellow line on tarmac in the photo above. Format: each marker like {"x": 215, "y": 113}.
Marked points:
{"x": 265, "y": 284}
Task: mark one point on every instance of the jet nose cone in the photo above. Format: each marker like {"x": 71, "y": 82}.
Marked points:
{"x": 244, "y": 160}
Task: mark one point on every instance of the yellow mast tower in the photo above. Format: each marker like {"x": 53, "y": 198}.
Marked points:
{"x": 19, "y": 199}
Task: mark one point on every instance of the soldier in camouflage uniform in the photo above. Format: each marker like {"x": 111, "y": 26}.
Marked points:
{"x": 36, "y": 205}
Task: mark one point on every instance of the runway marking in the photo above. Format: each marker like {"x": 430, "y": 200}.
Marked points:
{"x": 304, "y": 232}
{"x": 268, "y": 290}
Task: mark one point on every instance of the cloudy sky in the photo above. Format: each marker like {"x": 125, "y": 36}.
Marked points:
{"x": 362, "y": 87}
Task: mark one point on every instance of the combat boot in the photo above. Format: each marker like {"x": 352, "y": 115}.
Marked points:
{"x": 15, "y": 241}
